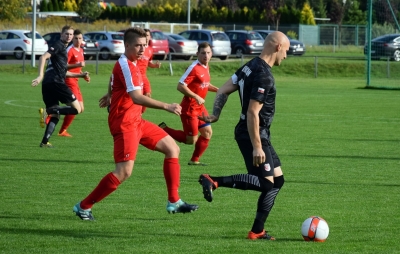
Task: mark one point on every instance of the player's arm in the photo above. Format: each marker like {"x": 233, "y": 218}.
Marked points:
{"x": 75, "y": 65}
{"x": 105, "y": 100}
{"x": 138, "y": 98}
{"x": 212, "y": 88}
{"x": 42, "y": 61}
{"x": 253, "y": 126}
{"x": 220, "y": 99}
{"x": 187, "y": 92}
{"x": 157, "y": 64}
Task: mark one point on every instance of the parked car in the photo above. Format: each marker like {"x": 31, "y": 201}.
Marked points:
{"x": 111, "y": 44}
{"x": 385, "y": 46}
{"x": 16, "y": 42}
{"x": 181, "y": 45}
{"x": 296, "y": 47}
{"x": 159, "y": 43}
{"x": 219, "y": 41}
{"x": 245, "y": 42}
{"x": 90, "y": 47}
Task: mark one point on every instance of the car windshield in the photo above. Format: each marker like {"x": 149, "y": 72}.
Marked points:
{"x": 220, "y": 37}
{"x": 29, "y": 35}
{"x": 177, "y": 37}
{"x": 255, "y": 36}
{"x": 385, "y": 38}
{"x": 117, "y": 36}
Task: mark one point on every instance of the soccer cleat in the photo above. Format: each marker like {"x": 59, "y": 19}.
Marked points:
{"x": 162, "y": 125}
{"x": 47, "y": 145}
{"x": 263, "y": 235}
{"x": 181, "y": 207}
{"x": 208, "y": 186}
{"x": 81, "y": 213}
{"x": 64, "y": 133}
{"x": 196, "y": 163}
{"x": 43, "y": 116}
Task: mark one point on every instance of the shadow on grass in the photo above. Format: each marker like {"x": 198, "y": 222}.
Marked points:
{"x": 380, "y": 88}
{"x": 344, "y": 157}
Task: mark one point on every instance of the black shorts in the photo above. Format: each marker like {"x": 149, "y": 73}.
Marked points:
{"x": 53, "y": 93}
{"x": 272, "y": 160}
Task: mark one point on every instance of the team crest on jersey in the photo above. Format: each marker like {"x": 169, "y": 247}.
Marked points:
{"x": 261, "y": 90}
{"x": 267, "y": 167}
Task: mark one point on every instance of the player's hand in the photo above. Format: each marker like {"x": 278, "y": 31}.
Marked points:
{"x": 174, "y": 108}
{"x": 105, "y": 101}
{"x": 208, "y": 119}
{"x": 200, "y": 100}
{"x": 158, "y": 64}
{"x": 36, "y": 81}
{"x": 82, "y": 64}
{"x": 258, "y": 156}
{"x": 86, "y": 77}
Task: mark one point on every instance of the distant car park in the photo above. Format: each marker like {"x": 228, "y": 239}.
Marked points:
{"x": 18, "y": 42}
{"x": 385, "y": 46}
{"x": 296, "y": 47}
{"x": 90, "y": 47}
{"x": 184, "y": 47}
{"x": 111, "y": 44}
{"x": 245, "y": 42}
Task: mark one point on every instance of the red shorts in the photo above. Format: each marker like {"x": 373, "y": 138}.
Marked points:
{"x": 191, "y": 124}
{"x": 74, "y": 89}
{"x": 126, "y": 144}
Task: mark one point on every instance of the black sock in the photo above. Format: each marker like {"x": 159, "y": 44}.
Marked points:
{"x": 64, "y": 110}
{"x": 50, "y": 129}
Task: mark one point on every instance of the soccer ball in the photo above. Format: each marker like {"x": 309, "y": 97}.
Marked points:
{"x": 315, "y": 229}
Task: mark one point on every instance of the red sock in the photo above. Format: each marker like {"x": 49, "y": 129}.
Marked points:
{"x": 172, "y": 174}
{"x": 179, "y": 136}
{"x": 107, "y": 185}
{"x": 200, "y": 147}
{"x": 67, "y": 122}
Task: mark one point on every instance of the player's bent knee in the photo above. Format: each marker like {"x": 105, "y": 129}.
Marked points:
{"x": 190, "y": 140}
{"x": 265, "y": 184}
{"x": 279, "y": 181}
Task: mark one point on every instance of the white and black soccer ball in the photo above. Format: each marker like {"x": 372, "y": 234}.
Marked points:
{"x": 315, "y": 229}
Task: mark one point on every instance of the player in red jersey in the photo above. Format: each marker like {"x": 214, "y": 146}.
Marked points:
{"x": 129, "y": 130}
{"x": 146, "y": 60}
{"x": 76, "y": 61}
{"x": 194, "y": 84}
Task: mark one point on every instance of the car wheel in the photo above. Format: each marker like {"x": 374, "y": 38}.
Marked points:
{"x": 105, "y": 54}
{"x": 223, "y": 57}
{"x": 18, "y": 53}
{"x": 396, "y": 55}
{"x": 173, "y": 57}
{"x": 239, "y": 52}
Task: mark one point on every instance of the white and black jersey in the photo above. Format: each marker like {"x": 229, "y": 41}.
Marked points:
{"x": 255, "y": 82}
{"x": 57, "y": 66}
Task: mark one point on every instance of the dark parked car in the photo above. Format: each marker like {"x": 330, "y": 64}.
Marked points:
{"x": 245, "y": 42}
{"x": 296, "y": 47}
{"x": 90, "y": 47}
{"x": 385, "y": 46}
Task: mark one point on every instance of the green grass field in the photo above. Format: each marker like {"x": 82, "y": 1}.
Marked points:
{"x": 339, "y": 145}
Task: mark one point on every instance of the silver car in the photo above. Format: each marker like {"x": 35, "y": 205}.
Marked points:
{"x": 111, "y": 44}
{"x": 219, "y": 41}
{"x": 16, "y": 42}
{"x": 184, "y": 48}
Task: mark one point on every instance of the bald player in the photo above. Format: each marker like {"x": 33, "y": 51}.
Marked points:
{"x": 256, "y": 87}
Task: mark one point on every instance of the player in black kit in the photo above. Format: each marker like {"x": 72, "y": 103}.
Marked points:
{"x": 54, "y": 89}
{"x": 256, "y": 86}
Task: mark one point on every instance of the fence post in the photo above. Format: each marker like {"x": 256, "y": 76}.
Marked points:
{"x": 388, "y": 67}
{"x": 315, "y": 66}
{"x": 23, "y": 62}
{"x": 97, "y": 63}
{"x": 170, "y": 64}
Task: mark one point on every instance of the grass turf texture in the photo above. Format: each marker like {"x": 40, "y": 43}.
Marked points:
{"x": 339, "y": 146}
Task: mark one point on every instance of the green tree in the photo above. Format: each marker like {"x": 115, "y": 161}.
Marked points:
{"x": 55, "y": 5}
{"x": 44, "y": 6}
{"x": 353, "y": 15}
{"x": 11, "y": 10}
{"x": 89, "y": 9}
{"x": 70, "y": 5}
{"x": 307, "y": 15}
{"x": 320, "y": 9}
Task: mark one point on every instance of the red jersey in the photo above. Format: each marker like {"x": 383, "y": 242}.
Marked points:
{"x": 197, "y": 79}
{"x": 124, "y": 114}
{"x": 144, "y": 60}
{"x": 74, "y": 56}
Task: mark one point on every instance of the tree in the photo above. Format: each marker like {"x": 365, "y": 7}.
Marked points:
{"x": 13, "y": 9}
{"x": 44, "y": 6}
{"x": 336, "y": 12}
{"x": 353, "y": 15}
{"x": 89, "y": 9}
{"x": 70, "y": 5}
{"x": 320, "y": 9}
{"x": 307, "y": 15}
